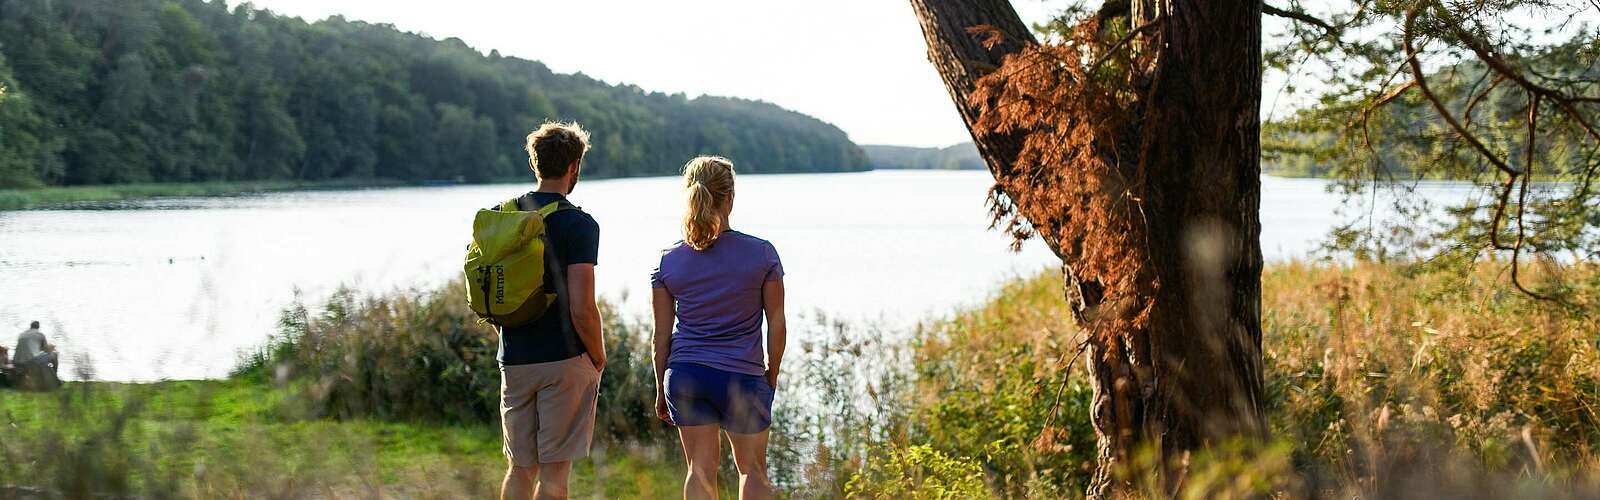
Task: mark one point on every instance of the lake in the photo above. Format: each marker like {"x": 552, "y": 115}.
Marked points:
{"x": 178, "y": 288}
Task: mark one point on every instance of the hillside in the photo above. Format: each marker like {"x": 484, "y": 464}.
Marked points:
{"x": 141, "y": 91}
{"x": 962, "y": 156}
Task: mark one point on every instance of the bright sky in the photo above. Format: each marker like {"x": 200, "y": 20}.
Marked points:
{"x": 858, "y": 64}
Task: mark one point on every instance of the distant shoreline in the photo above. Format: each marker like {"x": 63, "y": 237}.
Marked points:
{"x": 67, "y": 196}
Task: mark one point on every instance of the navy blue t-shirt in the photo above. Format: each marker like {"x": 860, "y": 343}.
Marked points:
{"x": 576, "y": 240}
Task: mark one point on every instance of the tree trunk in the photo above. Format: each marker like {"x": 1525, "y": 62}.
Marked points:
{"x": 1191, "y": 377}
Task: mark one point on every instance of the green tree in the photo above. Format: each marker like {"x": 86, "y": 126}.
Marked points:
{"x": 1130, "y": 142}
{"x": 109, "y": 91}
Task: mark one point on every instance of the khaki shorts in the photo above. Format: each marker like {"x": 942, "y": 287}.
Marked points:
{"x": 547, "y": 410}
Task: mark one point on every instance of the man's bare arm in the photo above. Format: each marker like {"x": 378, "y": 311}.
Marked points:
{"x": 585, "y": 313}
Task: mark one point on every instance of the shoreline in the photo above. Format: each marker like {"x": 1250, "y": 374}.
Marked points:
{"x": 66, "y": 197}
{"x": 58, "y": 197}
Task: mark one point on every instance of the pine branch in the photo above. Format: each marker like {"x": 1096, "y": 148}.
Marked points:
{"x": 1421, "y": 80}
{"x": 1301, "y": 16}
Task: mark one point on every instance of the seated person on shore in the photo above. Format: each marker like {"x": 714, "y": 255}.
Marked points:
{"x": 32, "y": 349}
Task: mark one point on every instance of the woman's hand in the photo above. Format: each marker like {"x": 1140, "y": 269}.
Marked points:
{"x": 661, "y": 408}
{"x": 772, "y": 379}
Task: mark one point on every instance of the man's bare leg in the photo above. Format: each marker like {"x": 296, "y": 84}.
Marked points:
{"x": 553, "y": 481}
{"x": 519, "y": 482}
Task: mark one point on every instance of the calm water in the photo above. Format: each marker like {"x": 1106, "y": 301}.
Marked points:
{"x": 178, "y": 288}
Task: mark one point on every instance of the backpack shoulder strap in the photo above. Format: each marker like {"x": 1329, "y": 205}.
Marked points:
{"x": 556, "y": 206}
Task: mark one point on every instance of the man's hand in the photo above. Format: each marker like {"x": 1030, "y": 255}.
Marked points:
{"x": 599, "y": 363}
{"x": 661, "y": 408}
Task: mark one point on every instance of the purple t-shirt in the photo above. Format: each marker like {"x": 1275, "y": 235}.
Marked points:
{"x": 718, "y": 292}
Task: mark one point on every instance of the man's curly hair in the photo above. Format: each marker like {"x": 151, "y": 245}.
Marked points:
{"x": 554, "y": 147}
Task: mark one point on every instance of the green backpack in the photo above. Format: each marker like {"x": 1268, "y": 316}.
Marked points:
{"x": 505, "y": 267}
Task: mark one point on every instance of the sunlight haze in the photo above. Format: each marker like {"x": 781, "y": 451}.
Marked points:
{"x": 860, "y": 65}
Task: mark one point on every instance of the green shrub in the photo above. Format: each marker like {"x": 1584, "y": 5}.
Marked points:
{"x": 14, "y": 200}
{"x": 408, "y": 355}
{"x": 918, "y": 472}
{"x": 421, "y": 355}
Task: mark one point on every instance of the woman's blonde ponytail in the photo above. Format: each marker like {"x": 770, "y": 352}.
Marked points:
{"x": 709, "y": 183}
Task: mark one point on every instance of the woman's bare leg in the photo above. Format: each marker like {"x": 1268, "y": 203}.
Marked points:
{"x": 702, "y": 448}
{"x": 750, "y": 456}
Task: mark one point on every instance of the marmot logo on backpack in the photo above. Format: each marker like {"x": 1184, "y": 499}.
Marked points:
{"x": 499, "y": 284}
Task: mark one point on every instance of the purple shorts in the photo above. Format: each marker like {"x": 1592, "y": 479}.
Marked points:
{"x": 702, "y": 395}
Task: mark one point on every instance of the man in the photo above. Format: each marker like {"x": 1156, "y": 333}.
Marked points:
{"x": 550, "y": 368}
{"x": 30, "y": 345}
{"x": 34, "y": 359}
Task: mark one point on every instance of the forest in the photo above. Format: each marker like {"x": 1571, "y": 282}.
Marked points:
{"x": 176, "y": 91}
{"x": 962, "y": 156}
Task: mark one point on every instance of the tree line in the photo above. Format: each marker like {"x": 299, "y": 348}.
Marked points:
{"x": 126, "y": 91}
{"x": 963, "y": 156}
{"x": 1346, "y": 136}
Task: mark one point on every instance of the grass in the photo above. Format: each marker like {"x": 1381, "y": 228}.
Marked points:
{"x": 49, "y": 197}
{"x": 1383, "y": 380}
{"x": 231, "y": 438}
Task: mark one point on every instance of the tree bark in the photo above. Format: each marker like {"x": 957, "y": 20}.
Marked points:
{"x": 1191, "y": 377}
{"x": 962, "y": 59}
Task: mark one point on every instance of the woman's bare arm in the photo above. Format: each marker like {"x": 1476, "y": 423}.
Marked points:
{"x": 777, "y": 327}
{"x": 665, "y": 312}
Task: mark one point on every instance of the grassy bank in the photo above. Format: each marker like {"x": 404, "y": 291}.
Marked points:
{"x": 208, "y": 439}
{"x": 50, "y": 197}
{"x": 1382, "y": 381}
{"x": 233, "y": 439}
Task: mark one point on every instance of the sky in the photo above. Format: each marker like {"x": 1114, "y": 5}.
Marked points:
{"x": 858, "y": 64}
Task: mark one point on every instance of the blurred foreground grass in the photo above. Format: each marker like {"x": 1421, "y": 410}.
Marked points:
{"x": 232, "y": 438}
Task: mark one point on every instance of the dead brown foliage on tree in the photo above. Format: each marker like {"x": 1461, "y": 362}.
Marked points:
{"x": 1078, "y": 102}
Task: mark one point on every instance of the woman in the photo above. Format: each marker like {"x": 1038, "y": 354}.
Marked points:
{"x": 716, "y": 285}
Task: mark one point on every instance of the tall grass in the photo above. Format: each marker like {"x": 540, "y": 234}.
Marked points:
{"x": 1450, "y": 381}
{"x": 1382, "y": 380}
